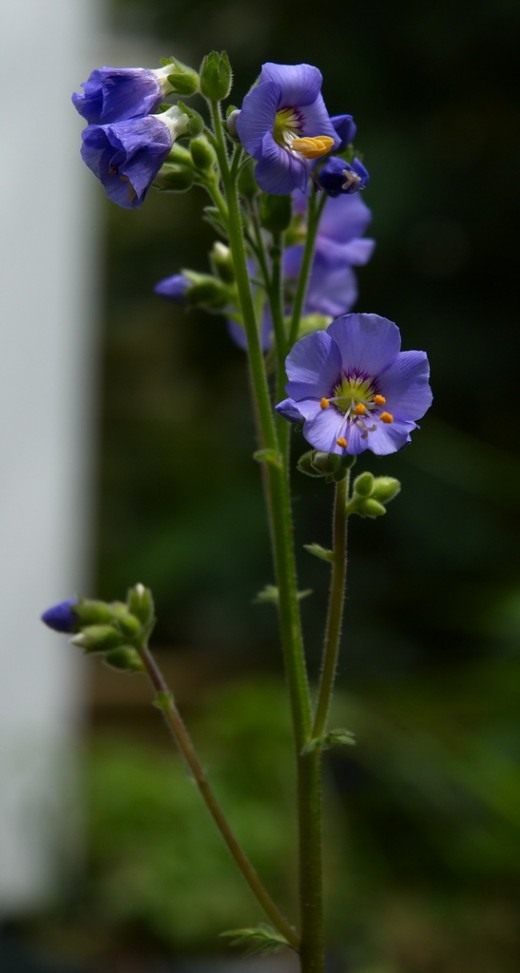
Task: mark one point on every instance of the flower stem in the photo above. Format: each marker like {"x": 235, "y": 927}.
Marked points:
{"x": 335, "y": 606}
{"x": 313, "y": 221}
{"x": 184, "y": 743}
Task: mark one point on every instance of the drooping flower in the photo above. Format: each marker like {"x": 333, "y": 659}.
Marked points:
{"x": 285, "y": 126}
{"x": 337, "y": 176}
{"x": 116, "y": 94}
{"x": 61, "y": 617}
{"x": 354, "y": 389}
{"x": 126, "y": 156}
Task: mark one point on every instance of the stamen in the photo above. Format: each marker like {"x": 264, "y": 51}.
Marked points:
{"x": 386, "y": 417}
{"x": 360, "y": 409}
{"x": 313, "y": 148}
{"x": 379, "y": 399}
{"x": 324, "y": 403}
{"x": 350, "y": 179}
{"x": 341, "y": 441}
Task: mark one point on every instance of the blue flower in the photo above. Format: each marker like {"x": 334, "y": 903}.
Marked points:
{"x": 284, "y": 125}
{"x": 126, "y": 156}
{"x": 173, "y": 288}
{"x": 61, "y": 617}
{"x": 116, "y": 94}
{"x": 337, "y": 176}
{"x": 354, "y": 389}
{"x": 346, "y": 129}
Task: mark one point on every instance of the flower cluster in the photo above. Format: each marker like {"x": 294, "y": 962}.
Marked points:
{"x": 123, "y": 144}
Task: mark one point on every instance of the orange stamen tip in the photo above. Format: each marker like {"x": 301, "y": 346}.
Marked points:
{"x": 324, "y": 403}
{"x": 313, "y": 148}
{"x": 342, "y": 442}
{"x": 386, "y": 417}
{"x": 379, "y": 399}
{"x": 360, "y": 409}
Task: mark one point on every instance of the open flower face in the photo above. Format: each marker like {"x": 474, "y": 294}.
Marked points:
{"x": 354, "y": 389}
{"x": 285, "y": 126}
{"x": 126, "y": 156}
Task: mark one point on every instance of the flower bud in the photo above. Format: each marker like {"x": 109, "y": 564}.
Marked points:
{"x": 216, "y": 75}
{"x": 368, "y": 507}
{"x": 222, "y": 262}
{"x": 174, "y": 178}
{"x": 98, "y": 638}
{"x": 124, "y": 658}
{"x": 231, "y": 121}
{"x": 139, "y": 602}
{"x": 363, "y": 484}
{"x": 275, "y": 212}
{"x": 331, "y": 466}
{"x": 338, "y": 176}
{"x": 385, "y": 488}
{"x": 182, "y": 79}
{"x": 205, "y": 290}
{"x": 126, "y": 621}
{"x": 202, "y": 153}
{"x": 62, "y": 617}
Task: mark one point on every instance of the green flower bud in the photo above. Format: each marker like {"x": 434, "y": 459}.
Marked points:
{"x": 98, "y": 638}
{"x": 368, "y": 507}
{"x": 202, "y": 153}
{"x": 206, "y": 291}
{"x": 216, "y": 76}
{"x": 124, "y": 658}
{"x": 90, "y": 612}
{"x": 222, "y": 262}
{"x": 196, "y": 121}
{"x": 247, "y": 184}
{"x": 275, "y": 212}
{"x": 139, "y": 602}
{"x": 385, "y": 488}
{"x": 363, "y": 484}
{"x": 174, "y": 178}
{"x": 328, "y": 465}
{"x": 128, "y": 623}
{"x": 183, "y": 80}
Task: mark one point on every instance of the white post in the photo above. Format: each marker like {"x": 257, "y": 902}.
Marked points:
{"x": 48, "y": 297}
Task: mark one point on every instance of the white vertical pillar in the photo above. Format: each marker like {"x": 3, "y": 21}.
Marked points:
{"x": 48, "y": 297}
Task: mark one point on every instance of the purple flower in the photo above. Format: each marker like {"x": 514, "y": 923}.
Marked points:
{"x": 346, "y": 129}
{"x": 173, "y": 288}
{"x": 354, "y": 389}
{"x": 61, "y": 617}
{"x": 337, "y": 176}
{"x": 284, "y": 125}
{"x": 116, "y": 94}
{"x": 126, "y": 156}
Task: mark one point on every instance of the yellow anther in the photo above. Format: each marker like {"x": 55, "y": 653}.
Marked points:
{"x": 360, "y": 409}
{"x": 386, "y": 417}
{"x": 342, "y": 442}
{"x": 379, "y": 399}
{"x": 324, "y": 403}
{"x": 313, "y": 148}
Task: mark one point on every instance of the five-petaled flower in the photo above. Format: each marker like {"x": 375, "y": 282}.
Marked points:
{"x": 126, "y": 156}
{"x": 116, "y": 94}
{"x": 285, "y": 126}
{"x": 354, "y": 389}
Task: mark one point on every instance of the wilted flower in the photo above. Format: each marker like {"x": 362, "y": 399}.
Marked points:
{"x": 116, "y": 94}
{"x": 285, "y": 126}
{"x": 126, "y": 156}
{"x": 354, "y": 389}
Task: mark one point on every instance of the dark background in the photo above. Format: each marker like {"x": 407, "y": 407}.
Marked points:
{"x": 423, "y": 813}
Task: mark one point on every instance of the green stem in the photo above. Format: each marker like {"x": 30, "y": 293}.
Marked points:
{"x": 335, "y": 607}
{"x": 316, "y": 205}
{"x": 184, "y": 742}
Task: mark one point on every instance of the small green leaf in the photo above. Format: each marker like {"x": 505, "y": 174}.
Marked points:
{"x": 163, "y": 701}
{"x": 256, "y": 939}
{"x": 317, "y": 550}
{"x": 334, "y": 738}
{"x": 271, "y": 456}
{"x": 269, "y": 595}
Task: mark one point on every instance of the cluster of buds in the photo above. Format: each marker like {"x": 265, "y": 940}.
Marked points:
{"x": 370, "y": 494}
{"x": 116, "y": 630}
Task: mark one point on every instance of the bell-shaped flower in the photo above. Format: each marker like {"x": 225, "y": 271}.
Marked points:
{"x": 126, "y": 156}
{"x": 354, "y": 389}
{"x": 285, "y": 126}
{"x": 116, "y": 94}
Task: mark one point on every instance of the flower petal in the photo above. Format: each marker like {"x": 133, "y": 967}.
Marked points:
{"x": 332, "y": 290}
{"x": 300, "y": 84}
{"x": 405, "y": 385}
{"x": 345, "y": 218}
{"x": 278, "y": 170}
{"x": 368, "y": 343}
{"x": 389, "y": 438}
{"x": 257, "y": 116}
{"x": 289, "y": 409}
{"x": 323, "y": 431}
{"x": 313, "y": 366}
{"x": 316, "y": 121}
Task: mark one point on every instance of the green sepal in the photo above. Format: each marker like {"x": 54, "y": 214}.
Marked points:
{"x": 331, "y": 466}
{"x": 197, "y": 123}
{"x": 91, "y": 612}
{"x": 216, "y": 76}
{"x": 323, "y": 553}
{"x": 129, "y": 624}
{"x": 99, "y": 638}
{"x": 174, "y": 178}
{"x": 275, "y": 212}
{"x": 183, "y": 79}
{"x": 270, "y": 456}
{"x": 334, "y": 738}
{"x": 125, "y": 658}
{"x": 206, "y": 290}
{"x": 203, "y": 154}
{"x": 256, "y": 939}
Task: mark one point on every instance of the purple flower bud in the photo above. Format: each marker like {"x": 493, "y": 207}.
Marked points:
{"x": 61, "y": 617}
{"x": 172, "y": 288}
{"x": 346, "y": 129}
{"x": 117, "y": 94}
{"x": 337, "y": 176}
